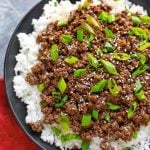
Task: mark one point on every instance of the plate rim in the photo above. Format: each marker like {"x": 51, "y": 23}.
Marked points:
{"x": 5, "y": 70}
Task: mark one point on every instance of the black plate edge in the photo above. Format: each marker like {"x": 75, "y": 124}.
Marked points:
{"x": 5, "y": 85}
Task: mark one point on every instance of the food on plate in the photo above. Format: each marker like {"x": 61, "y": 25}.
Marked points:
{"x": 84, "y": 73}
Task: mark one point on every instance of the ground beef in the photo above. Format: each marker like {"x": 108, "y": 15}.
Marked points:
{"x": 81, "y": 100}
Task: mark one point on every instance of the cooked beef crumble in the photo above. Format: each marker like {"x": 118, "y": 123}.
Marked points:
{"x": 117, "y": 106}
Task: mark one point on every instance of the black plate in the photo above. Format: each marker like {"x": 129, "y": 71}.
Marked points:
{"x": 18, "y": 108}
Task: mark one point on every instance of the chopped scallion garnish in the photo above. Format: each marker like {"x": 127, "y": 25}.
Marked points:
{"x": 64, "y": 123}
{"x": 144, "y": 46}
{"x": 95, "y": 114}
{"x": 62, "y": 102}
{"x": 109, "y": 67}
{"x": 91, "y": 20}
{"x": 99, "y": 86}
{"x": 86, "y": 4}
{"x": 138, "y": 86}
{"x": 140, "y": 70}
{"x": 107, "y": 117}
{"x": 134, "y": 134}
{"x": 112, "y": 106}
{"x": 145, "y": 19}
{"x": 106, "y": 17}
{"x": 71, "y": 60}
{"x": 54, "y": 52}
{"x": 62, "y": 22}
{"x": 132, "y": 109}
{"x": 62, "y": 85}
{"x": 41, "y": 87}
{"x": 136, "y": 20}
{"x": 87, "y": 27}
{"x": 79, "y": 72}
{"x": 113, "y": 87}
{"x": 108, "y": 48}
{"x": 66, "y": 39}
{"x": 121, "y": 56}
{"x": 140, "y": 95}
{"x": 93, "y": 61}
{"x": 56, "y": 131}
{"x": 56, "y": 95}
{"x": 86, "y": 120}
{"x": 109, "y": 33}
{"x": 139, "y": 32}
{"x": 80, "y": 35}
{"x": 85, "y": 145}
{"x": 70, "y": 136}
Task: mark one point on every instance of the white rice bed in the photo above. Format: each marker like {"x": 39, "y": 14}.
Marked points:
{"x": 30, "y": 95}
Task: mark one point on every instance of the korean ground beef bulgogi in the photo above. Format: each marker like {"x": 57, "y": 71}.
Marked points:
{"x": 94, "y": 75}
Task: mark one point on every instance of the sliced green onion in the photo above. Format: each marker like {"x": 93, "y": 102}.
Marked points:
{"x": 90, "y": 38}
{"x": 41, "y": 87}
{"x": 112, "y": 106}
{"x": 86, "y": 120}
{"x": 109, "y": 67}
{"x": 145, "y": 19}
{"x": 80, "y": 7}
{"x": 111, "y": 18}
{"x": 109, "y": 33}
{"x": 139, "y": 32}
{"x": 62, "y": 102}
{"x": 108, "y": 48}
{"x": 87, "y": 27}
{"x": 54, "y": 52}
{"x": 99, "y": 52}
{"x": 138, "y": 86}
{"x": 70, "y": 136}
{"x": 95, "y": 114}
{"x": 64, "y": 123}
{"x": 113, "y": 87}
{"x": 142, "y": 58}
{"x": 103, "y": 16}
{"x": 62, "y": 22}
{"x": 136, "y": 20}
{"x": 140, "y": 70}
{"x": 132, "y": 109}
{"x": 144, "y": 46}
{"x": 56, "y": 131}
{"x": 56, "y": 95}
{"x": 91, "y": 20}
{"x": 140, "y": 95}
{"x": 106, "y": 17}
{"x": 71, "y": 60}
{"x": 135, "y": 134}
{"x": 55, "y": 3}
{"x": 107, "y": 117}
{"x": 85, "y": 145}
{"x": 89, "y": 45}
{"x": 86, "y": 4}
{"x": 66, "y": 39}
{"x": 99, "y": 86}
{"x": 121, "y": 56}
{"x": 80, "y": 35}
{"x": 79, "y": 72}
{"x": 62, "y": 85}
{"x": 93, "y": 61}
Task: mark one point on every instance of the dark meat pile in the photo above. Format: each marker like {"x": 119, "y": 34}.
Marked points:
{"x": 111, "y": 123}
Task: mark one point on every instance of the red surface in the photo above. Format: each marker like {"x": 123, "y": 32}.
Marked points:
{"x": 11, "y": 135}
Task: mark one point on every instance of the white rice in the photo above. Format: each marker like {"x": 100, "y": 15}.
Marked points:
{"x": 30, "y": 95}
